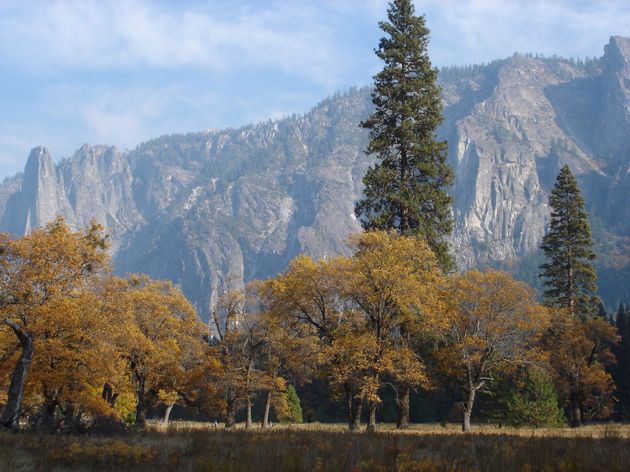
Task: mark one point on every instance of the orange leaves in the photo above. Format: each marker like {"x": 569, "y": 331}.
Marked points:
{"x": 579, "y": 350}
{"x": 494, "y": 323}
{"x": 88, "y": 330}
{"x": 393, "y": 281}
{"x": 360, "y": 311}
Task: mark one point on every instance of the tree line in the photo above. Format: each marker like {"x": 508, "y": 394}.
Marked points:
{"x": 82, "y": 348}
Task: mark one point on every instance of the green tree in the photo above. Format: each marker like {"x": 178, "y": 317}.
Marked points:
{"x": 569, "y": 275}
{"x": 406, "y": 189}
{"x": 532, "y": 401}
{"x": 294, "y": 413}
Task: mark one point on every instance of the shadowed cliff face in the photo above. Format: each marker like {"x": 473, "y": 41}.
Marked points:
{"x": 198, "y": 208}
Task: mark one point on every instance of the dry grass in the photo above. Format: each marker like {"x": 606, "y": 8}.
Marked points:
{"x": 200, "y": 447}
{"x": 604, "y": 430}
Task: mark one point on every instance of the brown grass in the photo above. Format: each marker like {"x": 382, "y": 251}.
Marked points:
{"x": 603, "y": 430}
{"x": 200, "y": 447}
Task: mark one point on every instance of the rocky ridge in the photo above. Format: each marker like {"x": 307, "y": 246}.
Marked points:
{"x": 203, "y": 207}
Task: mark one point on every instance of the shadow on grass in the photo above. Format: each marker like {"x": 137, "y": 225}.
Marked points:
{"x": 300, "y": 449}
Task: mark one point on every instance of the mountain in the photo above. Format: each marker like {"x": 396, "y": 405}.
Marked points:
{"x": 204, "y": 208}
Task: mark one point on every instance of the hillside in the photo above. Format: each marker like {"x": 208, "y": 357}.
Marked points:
{"x": 202, "y": 207}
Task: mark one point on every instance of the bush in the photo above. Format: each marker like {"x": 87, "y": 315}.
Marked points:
{"x": 293, "y": 413}
{"x": 533, "y": 402}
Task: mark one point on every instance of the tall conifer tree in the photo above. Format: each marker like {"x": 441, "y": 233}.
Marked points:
{"x": 569, "y": 275}
{"x": 406, "y": 189}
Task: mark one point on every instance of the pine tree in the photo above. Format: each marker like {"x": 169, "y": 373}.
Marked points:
{"x": 295, "y": 408}
{"x": 569, "y": 275}
{"x": 407, "y": 189}
{"x": 534, "y": 402}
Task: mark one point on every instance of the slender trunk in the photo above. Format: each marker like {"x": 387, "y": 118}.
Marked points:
{"x": 108, "y": 395}
{"x": 402, "y": 408}
{"x": 230, "y": 417}
{"x": 46, "y": 421}
{"x": 10, "y": 417}
{"x": 354, "y": 406}
{"x": 349, "y": 407}
{"x": 265, "y": 420}
{"x": 248, "y": 419}
{"x": 404, "y": 211}
{"x": 576, "y": 411}
{"x": 356, "y": 420}
{"x": 69, "y": 423}
{"x": 141, "y": 404}
{"x": 248, "y": 403}
{"x": 570, "y": 290}
{"x": 167, "y": 413}
{"x": 468, "y": 406}
{"x": 371, "y": 426}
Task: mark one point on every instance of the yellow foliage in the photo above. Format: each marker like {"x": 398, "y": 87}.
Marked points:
{"x": 494, "y": 325}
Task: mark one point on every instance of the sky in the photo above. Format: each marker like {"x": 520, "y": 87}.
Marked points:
{"x": 122, "y": 72}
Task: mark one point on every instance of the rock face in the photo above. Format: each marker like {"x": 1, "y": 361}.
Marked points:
{"x": 204, "y": 207}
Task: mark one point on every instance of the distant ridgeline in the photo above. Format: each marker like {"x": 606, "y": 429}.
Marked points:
{"x": 240, "y": 203}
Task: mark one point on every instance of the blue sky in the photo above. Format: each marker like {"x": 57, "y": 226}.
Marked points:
{"x": 121, "y": 72}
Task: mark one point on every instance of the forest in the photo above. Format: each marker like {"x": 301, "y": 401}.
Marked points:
{"x": 84, "y": 349}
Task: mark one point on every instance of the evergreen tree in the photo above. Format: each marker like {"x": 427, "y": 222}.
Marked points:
{"x": 569, "y": 275}
{"x": 406, "y": 189}
{"x": 533, "y": 402}
{"x": 295, "y": 409}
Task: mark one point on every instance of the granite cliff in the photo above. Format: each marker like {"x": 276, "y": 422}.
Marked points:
{"x": 197, "y": 208}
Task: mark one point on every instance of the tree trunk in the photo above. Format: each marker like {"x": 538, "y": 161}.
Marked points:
{"x": 576, "y": 411}
{"x": 108, "y": 395}
{"x": 349, "y": 408}
{"x": 468, "y": 406}
{"x": 141, "y": 405}
{"x": 167, "y": 413}
{"x": 371, "y": 426}
{"x": 230, "y": 417}
{"x": 402, "y": 408}
{"x": 265, "y": 420}
{"x": 354, "y": 406}
{"x": 10, "y": 417}
{"x": 46, "y": 421}
{"x": 69, "y": 424}
{"x": 248, "y": 419}
{"x": 356, "y": 419}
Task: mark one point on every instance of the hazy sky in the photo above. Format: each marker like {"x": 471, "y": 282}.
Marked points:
{"x": 121, "y": 72}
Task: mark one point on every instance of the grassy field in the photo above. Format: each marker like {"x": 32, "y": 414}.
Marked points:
{"x": 200, "y": 447}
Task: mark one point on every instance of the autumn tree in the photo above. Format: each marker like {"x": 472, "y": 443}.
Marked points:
{"x": 226, "y": 315}
{"x": 73, "y": 360}
{"x": 43, "y": 275}
{"x": 568, "y": 274}
{"x": 494, "y": 325}
{"x": 306, "y": 301}
{"x": 284, "y": 353}
{"x": 164, "y": 340}
{"x": 579, "y": 352}
{"x": 392, "y": 284}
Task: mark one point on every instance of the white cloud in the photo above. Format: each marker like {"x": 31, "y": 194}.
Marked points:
{"x": 474, "y": 31}
{"x": 122, "y": 71}
{"x": 116, "y": 35}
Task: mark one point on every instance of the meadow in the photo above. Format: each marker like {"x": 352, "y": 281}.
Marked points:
{"x": 317, "y": 447}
